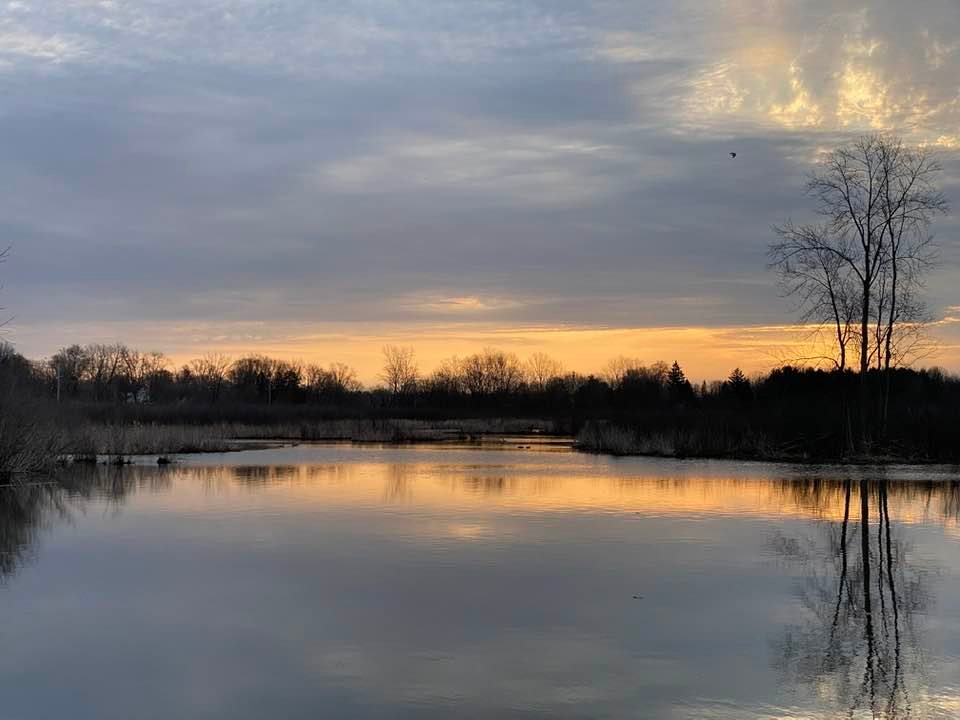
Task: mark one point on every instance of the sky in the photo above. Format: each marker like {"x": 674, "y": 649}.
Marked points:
{"x": 315, "y": 179}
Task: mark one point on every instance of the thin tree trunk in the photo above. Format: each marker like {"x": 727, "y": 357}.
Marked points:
{"x": 864, "y": 360}
{"x": 888, "y": 348}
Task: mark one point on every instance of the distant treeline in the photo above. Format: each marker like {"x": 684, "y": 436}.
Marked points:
{"x": 629, "y": 407}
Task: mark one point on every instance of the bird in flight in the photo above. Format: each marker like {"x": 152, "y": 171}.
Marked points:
{"x": 733, "y": 154}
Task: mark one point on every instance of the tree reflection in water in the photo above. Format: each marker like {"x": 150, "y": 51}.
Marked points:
{"x": 859, "y": 647}
{"x": 29, "y": 506}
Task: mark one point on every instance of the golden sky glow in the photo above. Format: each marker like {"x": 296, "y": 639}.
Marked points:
{"x": 706, "y": 353}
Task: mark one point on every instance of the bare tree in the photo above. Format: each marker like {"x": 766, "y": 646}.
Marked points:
{"x": 343, "y": 378}
{"x": 211, "y": 372}
{"x": 331, "y": 382}
{"x": 105, "y": 364}
{"x": 909, "y": 202}
{"x": 399, "y": 369}
{"x": 70, "y": 366}
{"x": 252, "y": 377}
{"x": 491, "y": 372}
{"x": 504, "y": 371}
{"x": 541, "y": 369}
{"x": 863, "y": 267}
{"x": 473, "y": 374}
{"x": 618, "y": 368}
{"x": 142, "y": 369}
{"x": 808, "y": 260}
{"x": 284, "y": 380}
{"x": 447, "y": 377}
{"x": 848, "y": 187}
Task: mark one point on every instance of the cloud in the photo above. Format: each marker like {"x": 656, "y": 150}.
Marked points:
{"x": 828, "y": 65}
{"x": 537, "y": 164}
{"x": 17, "y": 43}
{"x": 529, "y": 169}
{"x": 445, "y": 304}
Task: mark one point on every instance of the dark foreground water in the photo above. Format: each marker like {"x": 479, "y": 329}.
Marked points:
{"x": 458, "y": 582}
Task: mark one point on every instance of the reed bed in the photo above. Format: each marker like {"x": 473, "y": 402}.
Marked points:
{"x": 614, "y": 440}
{"x": 92, "y": 441}
{"x": 27, "y": 447}
{"x": 89, "y": 442}
{"x": 603, "y": 437}
{"x": 29, "y": 440}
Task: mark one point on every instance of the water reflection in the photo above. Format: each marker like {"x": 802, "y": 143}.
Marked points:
{"x": 859, "y": 643}
{"x": 30, "y": 505}
{"x": 417, "y": 584}
{"x": 262, "y": 474}
{"x": 398, "y": 484}
{"x": 481, "y": 485}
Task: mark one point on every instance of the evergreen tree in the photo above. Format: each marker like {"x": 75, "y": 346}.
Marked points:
{"x": 737, "y": 379}
{"x": 678, "y": 385}
{"x": 738, "y": 385}
{"x": 676, "y": 377}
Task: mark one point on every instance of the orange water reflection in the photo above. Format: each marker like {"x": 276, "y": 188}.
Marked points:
{"x": 503, "y": 488}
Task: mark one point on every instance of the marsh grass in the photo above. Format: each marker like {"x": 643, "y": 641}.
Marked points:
{"x": 90, "y": 441}
{"x": 29, "y": 440}
{"x": 605, "y": 437}
{"x": 28, "y": 447}
{"x": 601, "y": 437}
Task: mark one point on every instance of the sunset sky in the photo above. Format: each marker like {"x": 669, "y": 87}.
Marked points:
{"x": 314, "y": 179}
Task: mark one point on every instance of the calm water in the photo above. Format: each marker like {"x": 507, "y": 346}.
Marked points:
{"x": 467, "y": 582}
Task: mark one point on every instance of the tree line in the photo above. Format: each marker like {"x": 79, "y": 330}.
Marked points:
{"x": 117, "y": 373}
{"x": 787, "y": 412}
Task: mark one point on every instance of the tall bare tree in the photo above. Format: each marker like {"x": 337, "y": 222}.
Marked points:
{"x": 864, "y": 266}
{"x": 848, "y": 187}
{"x": 908, "y": 204}
{"x": 541, "y": 369}
{"x": 811, "y": 269}
{"x": 399, "y": 369}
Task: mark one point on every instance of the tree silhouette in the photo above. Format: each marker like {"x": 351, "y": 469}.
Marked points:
{"x": 738, "y": 386}
{"x": 862, "y": 268}
{"x": 677, "y": 384}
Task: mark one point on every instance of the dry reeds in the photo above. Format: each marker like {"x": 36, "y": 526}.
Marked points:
{"x": 91, "y": 441}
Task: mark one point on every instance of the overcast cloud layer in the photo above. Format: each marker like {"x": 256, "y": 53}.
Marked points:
{"x": 416, "y": 163}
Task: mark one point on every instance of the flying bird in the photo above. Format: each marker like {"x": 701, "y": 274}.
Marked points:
{"x": 733, "y": 155}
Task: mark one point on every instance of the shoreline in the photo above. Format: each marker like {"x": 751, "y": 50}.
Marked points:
{"x": 494, "y": 440}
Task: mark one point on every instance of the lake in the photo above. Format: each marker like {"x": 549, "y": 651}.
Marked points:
{"x": 503, "y": 580}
